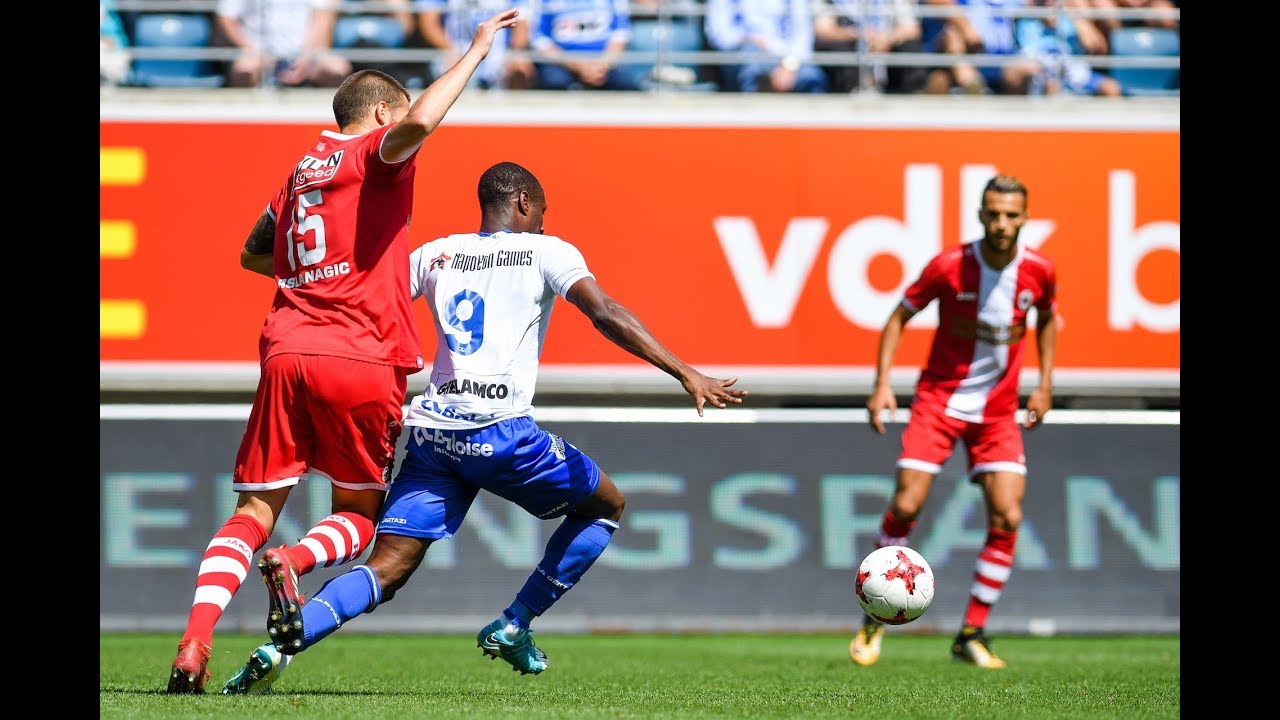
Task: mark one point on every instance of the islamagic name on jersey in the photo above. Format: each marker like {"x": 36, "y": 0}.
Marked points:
{"x": 502, "y": 258}
{"x": 306, "y": 276}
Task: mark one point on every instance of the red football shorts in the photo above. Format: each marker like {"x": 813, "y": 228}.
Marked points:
{"x": 321, "y": 415}
{"x": 931, "y": 434}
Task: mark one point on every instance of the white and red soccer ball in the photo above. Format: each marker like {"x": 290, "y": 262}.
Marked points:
{"x": 894, "y": 585}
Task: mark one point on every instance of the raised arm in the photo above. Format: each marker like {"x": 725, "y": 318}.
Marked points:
{"x": 427, "y": 112}
{"x": 257, "y": 255}
{"x": 625, "y": 330}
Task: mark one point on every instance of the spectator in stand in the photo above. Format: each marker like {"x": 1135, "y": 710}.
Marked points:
{"x": 1057, "y": 42}
{"x": 982, "y": 27}
{"x": 1086, "y": 35}
{"x": 878, "y": 26}
{"x": 569, "y": 32}
{"x": 113, "y": 44}
{"x": 780, "y": 32}
{"x": 276, "y": 45}
{"x": 449, "y": 25}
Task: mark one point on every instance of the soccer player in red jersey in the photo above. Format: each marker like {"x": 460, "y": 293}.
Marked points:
{"x": 968, "y": 391}
{"x": 337, "y": 346}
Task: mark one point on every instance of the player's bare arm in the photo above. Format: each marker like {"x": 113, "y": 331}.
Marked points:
{"x": 257, "y": 253}
{"x": 882, "y": 397}
{"x": 428, "y": 111}
{"x": 625, "y": 330}
{"x": 1041, "y": 399}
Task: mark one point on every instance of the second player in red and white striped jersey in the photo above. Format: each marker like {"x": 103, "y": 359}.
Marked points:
{"x": 968, "y": 393}
{"x": 978, "y": 348}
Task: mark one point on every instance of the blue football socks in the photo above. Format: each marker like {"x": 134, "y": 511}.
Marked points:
{"x": 572, "y": 549}
{"x": 341, "y": 598}
{"x": 520, "y": 612}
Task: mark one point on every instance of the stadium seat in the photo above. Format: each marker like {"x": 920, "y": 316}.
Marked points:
{"x": 1143, "y": 41}
{"x": 682, "y": 34}
{"x": 173, "y": 30}
{"x": 380, "y": 31}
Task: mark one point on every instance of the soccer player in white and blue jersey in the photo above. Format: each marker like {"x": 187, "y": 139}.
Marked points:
{"x": 491, "y": 294}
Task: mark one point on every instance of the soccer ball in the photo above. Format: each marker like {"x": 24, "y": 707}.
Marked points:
{"x": 894, "y": 585}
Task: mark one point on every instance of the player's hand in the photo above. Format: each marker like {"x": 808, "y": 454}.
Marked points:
{"x": 712, "y": 391}
{"x": 882, "y": 398}
{"x": 486, "y": 30}
{"x": 1038, "y": 405}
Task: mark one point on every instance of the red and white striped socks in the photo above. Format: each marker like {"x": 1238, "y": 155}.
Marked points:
{"x": 337, "y": 539}
{"x": 994, "y": 565}
{"x": 222, "y": 571}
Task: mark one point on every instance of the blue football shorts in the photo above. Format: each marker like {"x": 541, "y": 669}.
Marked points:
{"x": 513, "y": 459}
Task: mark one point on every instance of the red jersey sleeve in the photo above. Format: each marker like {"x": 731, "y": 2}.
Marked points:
{"x": 929, "y": 286}
{"x": 276, "y": 206}
{"x": 1048, "y": 300}
{"x": 371, "y": 156}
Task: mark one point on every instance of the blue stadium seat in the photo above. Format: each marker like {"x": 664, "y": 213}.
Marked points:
{"x": 1144, "y": 41}
{"x": 367, "y": 31}
{"x": 173, "y": 30}
{"x": 682, "y": 34}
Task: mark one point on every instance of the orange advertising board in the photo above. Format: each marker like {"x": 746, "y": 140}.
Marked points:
{"x": 782, "y": 247}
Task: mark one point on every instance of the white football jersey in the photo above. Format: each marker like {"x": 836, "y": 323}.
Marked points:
{"x": 491, "y": 296}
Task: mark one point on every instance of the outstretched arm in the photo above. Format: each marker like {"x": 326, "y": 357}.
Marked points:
{"x": 626, "y": 331}
{"x": 1041, "y": 399}
{"x": 258, "y": 248}
{"x": 428, "y": 111}
{"x": 882, "y": 397}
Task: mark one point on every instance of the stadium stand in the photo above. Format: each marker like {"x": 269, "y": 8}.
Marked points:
{"x": 173, "y": 30}
{"x": 668, "y": 35}
{"x": 368, "y": 31}
{"x": 1146, "y": 42}
{"x": 1144, "y": 57}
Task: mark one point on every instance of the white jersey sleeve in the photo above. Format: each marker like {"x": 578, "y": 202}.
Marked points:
{"x": 491, "y": 297}
{"x": 415, "y": 286}
{"x": 562, "y": 266}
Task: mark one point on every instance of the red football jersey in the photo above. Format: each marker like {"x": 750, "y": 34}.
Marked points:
{"x": 342, "y": 255}
{"x": 977, "y": 351}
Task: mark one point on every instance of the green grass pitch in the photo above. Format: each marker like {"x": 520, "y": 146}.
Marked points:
{"x": 362, "y": 676}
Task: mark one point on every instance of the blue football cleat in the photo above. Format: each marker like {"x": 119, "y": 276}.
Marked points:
{"x": 264, "y": 667}
{"x": 499, "y": 640}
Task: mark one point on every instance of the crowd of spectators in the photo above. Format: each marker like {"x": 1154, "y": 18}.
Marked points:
{"x": 1003, "y": 47}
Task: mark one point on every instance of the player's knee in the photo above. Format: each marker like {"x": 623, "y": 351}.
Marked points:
{"x": 906, "y": 506}
{"x": 606, "y": 503}
{"x": 1007, "y": 519}
{"x": 611, "y": 502}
